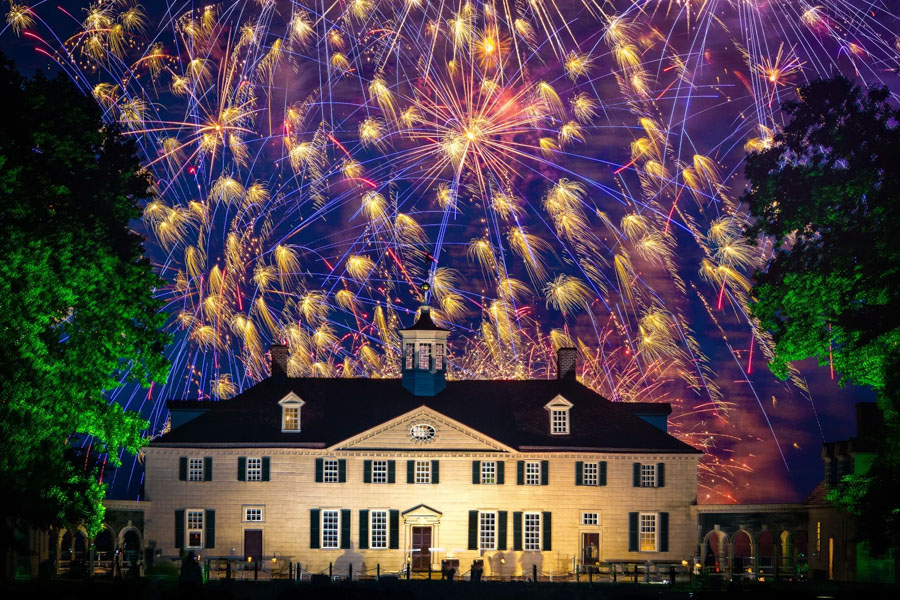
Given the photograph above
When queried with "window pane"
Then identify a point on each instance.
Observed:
(330, 471)
(253, 514)
(488, 472)
(329, 529)
(378, 529)
(423, 471)
(291, 419)
(560, 421)
(424, 356)
(379, 471)
(438, 356)
(590, 518)
(195, 469)
(532, 531)
(254, 469)
(648, 532)
(487, 522)
(532, 473)
(648, 475)
(410, 351)
(194, 528)
(590, 474)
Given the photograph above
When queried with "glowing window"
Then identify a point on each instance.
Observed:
(647, 532)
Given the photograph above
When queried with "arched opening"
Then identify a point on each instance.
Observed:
(786, 555)
(766, 551)
(743, 553)
(715, 555)
(131, 546)
(104, 549)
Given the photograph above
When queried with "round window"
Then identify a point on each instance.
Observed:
(422, 432)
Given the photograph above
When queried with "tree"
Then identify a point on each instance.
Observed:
(78, 316)
(827, 192)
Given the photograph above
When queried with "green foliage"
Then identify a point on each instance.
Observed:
(828, 193)
(77, 312)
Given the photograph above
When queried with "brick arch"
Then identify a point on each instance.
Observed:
(743, 548)
(716, 550)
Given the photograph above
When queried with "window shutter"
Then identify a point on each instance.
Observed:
(476, 471)
(663, 532)
(517, 531)
(473, 530)
(636, 475)
(320, 465)
(546, 521)
(435, 471)
(314, 525)
(209, 524)
(392, 471)
(367, 471)
(266, 468)
(345, 528)
(520, 472)
(579, 472)
(632, 532)
(661, 475)
(501, 476)
(179, 529)
(395, 530)
(363, 530)
(342, 471)
(182, 468)
(410, 471)
(545, 472)
(501, 530)
(207, 468)
(242, 468)
(602, 472)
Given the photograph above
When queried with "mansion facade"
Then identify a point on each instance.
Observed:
(404, 473)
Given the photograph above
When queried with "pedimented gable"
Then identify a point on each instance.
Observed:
(422, 429)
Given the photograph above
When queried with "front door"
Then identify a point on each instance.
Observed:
(252, 545)
(590, 549)
(421, 542)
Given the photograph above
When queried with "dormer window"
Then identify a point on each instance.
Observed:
(558, 410)
(290, 413)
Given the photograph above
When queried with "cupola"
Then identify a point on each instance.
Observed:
(424, 347)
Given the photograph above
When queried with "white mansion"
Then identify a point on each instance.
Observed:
(407, 472)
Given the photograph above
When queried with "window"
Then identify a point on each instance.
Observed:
(194, 527)
(330, 471)
(378, 529)
(423, 471)
(818, 537)
(195, 469)
(253, 514)
(647, 532)
(438, 356)
(559, 421)
(291, 420)
(379, 471)
(590, 518)
(330, 527)
(488, 472)
(410, 356)
(424, 356)
(254, 469)
(648, 475)
(487, 530)
(532, 532)
(591, 474)
(532, 473)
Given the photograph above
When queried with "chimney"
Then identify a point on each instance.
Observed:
(566, 364)
(279, 354)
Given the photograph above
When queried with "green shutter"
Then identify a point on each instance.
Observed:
(661, 475)
(363, 530)
(207, 468)
(410, 471)
(579, 472)
(314, 525)
(179, 529)
(476, 471)
(209, 523)
(545, 472)
(663, 532)
(501, 530)
(473, 530)
(547, 522)
(517, 531)
(602, 472)
(636, 475)
(266, 468)
(342, 471)
(242, 468)
(520, 472)
(392, 471)
(320, 466)
(395, 530)
(182, 468)
(435, 471)
(367, 471)
(345, 528)
(632, 532)
(501, 475)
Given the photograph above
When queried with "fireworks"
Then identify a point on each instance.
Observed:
(541, 174)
